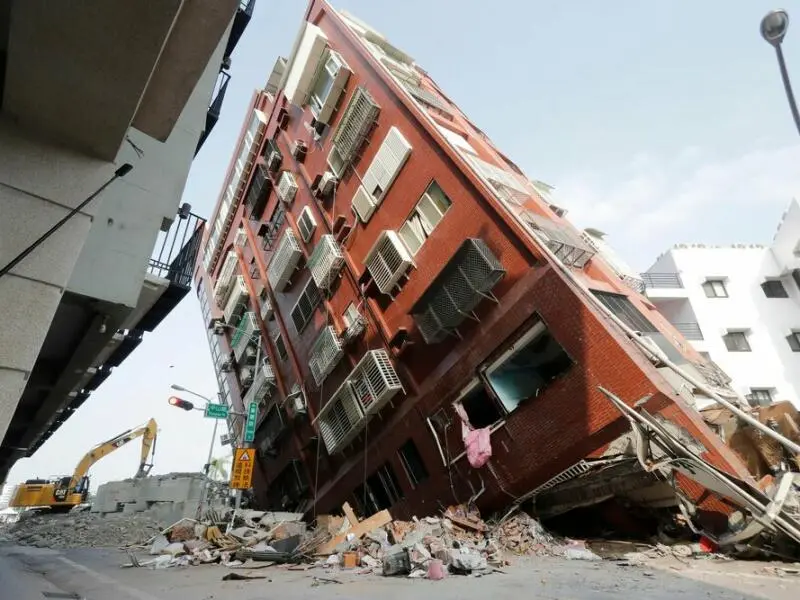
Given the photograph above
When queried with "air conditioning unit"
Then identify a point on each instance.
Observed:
(287, 187)
(326, 184)
(284, 261)
(226, 366)
(387, 261)
(363, 204)
(273, 161)
(219, 328)
(299, 150)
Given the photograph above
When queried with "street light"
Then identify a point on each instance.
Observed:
(774, 26)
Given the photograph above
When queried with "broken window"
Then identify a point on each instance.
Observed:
(381, 491)
(412, 463)
(480, 407)
(527, 367)
(625, 311)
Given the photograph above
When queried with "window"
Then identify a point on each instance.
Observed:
(715, 288)
(350, 316)
(273, 226)
(481, 409)
(412, 463)
(794, 341)
(759, 397)
(736, 341)
(625, 311)
(304, 308)
(381, 491)
(773, 288)
(425, 217)
(324, 83)
(280, 346)
(526, 368)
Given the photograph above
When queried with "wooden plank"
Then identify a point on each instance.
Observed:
(351, 516)
(379, 519)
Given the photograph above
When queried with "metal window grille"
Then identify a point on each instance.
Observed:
(305, 306)
(565, 243)
(625, 311)
(225, 278)
(356, 121)
(237, 300)
(325, 354)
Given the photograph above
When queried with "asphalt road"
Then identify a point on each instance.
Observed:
(95, 574)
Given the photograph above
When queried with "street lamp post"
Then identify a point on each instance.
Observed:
(207, 467)
(773, 29)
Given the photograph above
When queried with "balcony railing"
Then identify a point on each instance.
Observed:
(691, 331)
(262, 385)
(215, 108)
(662, 280)
(177, 248)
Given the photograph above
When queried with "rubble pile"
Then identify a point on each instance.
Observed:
(82, 529)
(458, 542)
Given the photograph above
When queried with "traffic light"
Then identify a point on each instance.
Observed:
(181, 403)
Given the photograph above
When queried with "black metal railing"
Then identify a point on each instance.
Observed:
(178, 247)
(243, 15)
(691, 331)
(662, 280)
(214, 108)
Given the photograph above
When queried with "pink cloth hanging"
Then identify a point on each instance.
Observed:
(478, 442)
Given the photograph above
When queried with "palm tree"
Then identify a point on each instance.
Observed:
(218, 468)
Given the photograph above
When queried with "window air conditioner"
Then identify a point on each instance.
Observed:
(326, 184)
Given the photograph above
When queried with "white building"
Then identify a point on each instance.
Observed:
(740, 305)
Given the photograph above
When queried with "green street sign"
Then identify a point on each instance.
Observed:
(250, 426)
(216, 411)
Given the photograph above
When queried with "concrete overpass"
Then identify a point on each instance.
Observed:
(86, 87)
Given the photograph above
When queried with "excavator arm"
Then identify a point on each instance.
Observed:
(147, 432)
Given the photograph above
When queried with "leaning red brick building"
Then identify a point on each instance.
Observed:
(381, 278)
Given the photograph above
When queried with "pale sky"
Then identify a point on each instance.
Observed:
(657, 123)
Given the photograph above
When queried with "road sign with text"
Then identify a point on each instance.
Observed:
(242, 471)
(250, 426)
(216, 411)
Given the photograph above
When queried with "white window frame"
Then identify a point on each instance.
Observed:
(348, 318)
(407, 231)
(315, 102)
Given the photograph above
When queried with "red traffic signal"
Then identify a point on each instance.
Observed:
(181, 403)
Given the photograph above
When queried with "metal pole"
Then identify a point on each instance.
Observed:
(204, 492)
(787, 85)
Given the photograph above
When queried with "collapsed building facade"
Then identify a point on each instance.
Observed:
(387, 284)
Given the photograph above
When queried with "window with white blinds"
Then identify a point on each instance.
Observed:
(383, 169)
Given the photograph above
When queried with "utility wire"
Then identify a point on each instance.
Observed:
(120, 172)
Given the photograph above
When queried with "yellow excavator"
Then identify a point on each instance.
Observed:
(64, 493)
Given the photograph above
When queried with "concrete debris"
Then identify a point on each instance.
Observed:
(69, 530)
